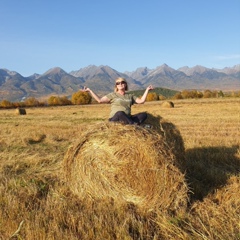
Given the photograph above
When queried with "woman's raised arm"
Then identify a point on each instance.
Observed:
(95, 96)
(144, 96)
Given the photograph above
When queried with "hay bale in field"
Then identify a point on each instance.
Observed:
(174, 140)
(20, 111)
(128, 164)
(167, 104)
(172, 137)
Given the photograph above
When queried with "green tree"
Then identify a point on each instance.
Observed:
(220, 93)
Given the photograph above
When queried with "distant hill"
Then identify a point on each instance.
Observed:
(101, 79)
(160, 91)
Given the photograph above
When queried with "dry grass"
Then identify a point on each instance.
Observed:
(35, 203)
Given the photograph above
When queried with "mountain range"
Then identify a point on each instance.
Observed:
(101, 79)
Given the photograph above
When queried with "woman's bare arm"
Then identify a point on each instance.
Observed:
(95, 96)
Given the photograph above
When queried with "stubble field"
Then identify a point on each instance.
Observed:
(35, 203)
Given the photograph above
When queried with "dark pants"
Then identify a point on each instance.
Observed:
(124, 118)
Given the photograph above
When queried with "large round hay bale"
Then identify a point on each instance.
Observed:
(125, 163)
(20, 111)
(174, 140)
(167, 104)
(172, 137)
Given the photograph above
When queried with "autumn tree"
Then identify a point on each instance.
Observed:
(161, 97)
(237, 94)
(6, 104)
(152, 97)
(185, 94)
(18, 104)
(58, 101)
(31, 102)
(194, 94)
(214, 94)
(207, 94)
(64, 101)
(79, 98)
(53, 101)
(189, 94)
(178, 96)
(199, 94)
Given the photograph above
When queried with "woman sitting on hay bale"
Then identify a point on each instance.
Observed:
(121, 103)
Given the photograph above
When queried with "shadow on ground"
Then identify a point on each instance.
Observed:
(206, 169)
(209, 168)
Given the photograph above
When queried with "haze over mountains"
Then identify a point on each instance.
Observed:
(55, 81)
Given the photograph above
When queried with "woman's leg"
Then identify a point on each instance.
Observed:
(139, 117)
(121, 117)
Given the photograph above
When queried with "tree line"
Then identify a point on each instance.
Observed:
(81, 98)
(77, 98)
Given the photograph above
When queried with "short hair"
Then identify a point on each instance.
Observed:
(120, 79)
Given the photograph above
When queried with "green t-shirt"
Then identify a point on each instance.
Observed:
(121, 102)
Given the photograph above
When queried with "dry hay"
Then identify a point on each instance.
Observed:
(128, 164)
(20, 111)
(172, 136)
(167, 104)
(219, 208)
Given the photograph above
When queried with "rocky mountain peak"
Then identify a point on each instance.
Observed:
(101, 79)
(55, 70)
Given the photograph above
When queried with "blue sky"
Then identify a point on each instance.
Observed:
(36, 35)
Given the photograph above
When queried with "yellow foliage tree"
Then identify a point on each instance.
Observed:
(65, 101)
(56, 101)
(79, 98)
(6, 104)
(152, 97)
(191, 94)
(31, 101)
(207, 94)
(186, 94)
(178, 96)
(161, 97)
(53, 101)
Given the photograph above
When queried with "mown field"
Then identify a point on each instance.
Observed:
(36, 203)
